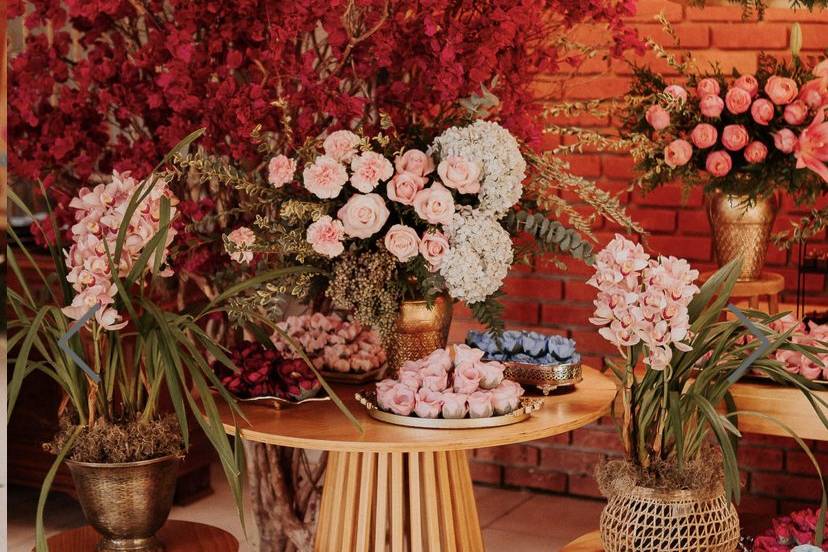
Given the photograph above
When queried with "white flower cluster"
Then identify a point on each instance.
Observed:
(478, 258)
(497, 152)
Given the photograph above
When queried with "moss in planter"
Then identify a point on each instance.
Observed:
(128, 441)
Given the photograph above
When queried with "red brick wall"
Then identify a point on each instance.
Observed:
(777, 477)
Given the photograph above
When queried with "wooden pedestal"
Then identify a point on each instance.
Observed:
(414, 501)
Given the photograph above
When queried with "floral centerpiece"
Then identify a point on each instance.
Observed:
(743, 138)
(654, 313)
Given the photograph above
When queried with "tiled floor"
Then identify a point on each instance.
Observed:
(511, 520)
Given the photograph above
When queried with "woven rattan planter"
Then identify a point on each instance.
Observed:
(646, 520)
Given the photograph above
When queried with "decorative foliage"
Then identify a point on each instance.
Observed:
(551, 236)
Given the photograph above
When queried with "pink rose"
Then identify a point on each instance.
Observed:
(748, 83)
(384, 388)
(325, 236)
(762, 111)
(404, 186)
(462, 175)
(711, 106)
(410, 379)
(363, 215)
(463, 354)
(785, 140)
(781, 90)
(429, 403)
(415, 162)
(412, 366)
(280, 170)
(676, 91)
(718, 163)
(755, 152)
(433, 247)
(325, 177)
(677, 153)
(455, 405)
(341, 145)
(506, 396)
(735, 137)
(480, 404)
(704, 135)
(466, 378)
(737, 100)
(491, 374)
(708, 87)
(796, 112)
(658, 117)
(402, 242)
(368, 169)
(438, 358)
(242, 237)
(815, 93)
(435, 205)
(399, 399)
(821, 69)
(434, 377)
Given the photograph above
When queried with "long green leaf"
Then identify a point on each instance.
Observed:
(20, 365)
(40, 533)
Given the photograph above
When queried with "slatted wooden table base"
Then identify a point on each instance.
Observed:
(419, 501)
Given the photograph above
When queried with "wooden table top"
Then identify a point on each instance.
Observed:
(767, 283)
(176, 536)
(591, 542)
(785, 404)
(320, 425)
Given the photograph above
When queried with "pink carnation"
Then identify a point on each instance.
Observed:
(326, 235)
(341, 145)
(280, 170)
(368, 170)
(325, 177)
(242, 237)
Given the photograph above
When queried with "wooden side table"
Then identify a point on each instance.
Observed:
(406, 488)
(176, 536)
(769, 284)
(591, 542)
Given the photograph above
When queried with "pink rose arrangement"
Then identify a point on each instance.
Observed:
(744, 135)
(450, 383)
(643, 300)
(99, 215)
(331, 343)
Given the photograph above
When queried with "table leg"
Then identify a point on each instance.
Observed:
(398, 501)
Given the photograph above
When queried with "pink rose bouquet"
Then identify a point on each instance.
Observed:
(450, 383)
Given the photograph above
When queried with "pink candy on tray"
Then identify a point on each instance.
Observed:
(812, 334)
(450, 383)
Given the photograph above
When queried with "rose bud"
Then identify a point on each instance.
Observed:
(796, 112)
(480, 404)
(491, 374)
(429, 403)
(454, 405)
(762, 111)
(506, 396)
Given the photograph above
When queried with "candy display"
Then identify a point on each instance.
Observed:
(525, 347)
(452, 383)
(810, 334)
(331, 343)
(267, 373)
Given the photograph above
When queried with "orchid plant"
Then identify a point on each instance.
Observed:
(652, 311)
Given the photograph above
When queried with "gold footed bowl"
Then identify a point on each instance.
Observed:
(741, 229)
(419, 331)
(649, 520)
(126, 503)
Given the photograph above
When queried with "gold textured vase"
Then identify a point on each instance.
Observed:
(741, 228)
(126, 503)
(419, 331)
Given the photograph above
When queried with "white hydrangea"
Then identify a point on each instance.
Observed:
(497, 152)
(479, 256)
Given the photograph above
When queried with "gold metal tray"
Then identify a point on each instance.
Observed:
(546, 377)
(528, 405)
(279, 403)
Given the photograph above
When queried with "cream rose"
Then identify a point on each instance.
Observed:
(433, 246)
(341, 145)
(363, 215)
(434, 205)
(415, 162)
(404, 186)
(325, 236)
(462, 175)
(325, 177)
(402, 242)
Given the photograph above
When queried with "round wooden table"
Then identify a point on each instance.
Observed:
(176, 536)
(409, 488)
(591, 542)
(769, 284)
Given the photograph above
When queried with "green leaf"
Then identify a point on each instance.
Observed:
(21, 369)
(40, 533)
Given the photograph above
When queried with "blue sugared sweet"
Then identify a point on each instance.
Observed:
(526, 347)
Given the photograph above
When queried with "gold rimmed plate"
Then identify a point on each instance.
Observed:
(527, 405)
(353, 377)
(546, 377)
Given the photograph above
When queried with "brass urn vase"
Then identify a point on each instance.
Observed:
(741, 227)
(127, 503)
(419, 330)
(650, 520)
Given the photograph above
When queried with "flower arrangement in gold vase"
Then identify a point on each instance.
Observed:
(678, 423)
(745, 139)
